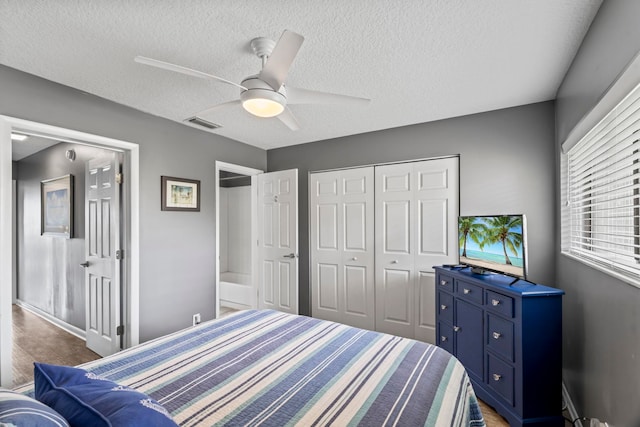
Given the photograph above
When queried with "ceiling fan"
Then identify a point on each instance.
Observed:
(264, 94)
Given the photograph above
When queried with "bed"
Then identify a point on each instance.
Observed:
(263, 367)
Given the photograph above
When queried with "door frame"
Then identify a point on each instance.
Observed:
(131, 228)
(243, 170)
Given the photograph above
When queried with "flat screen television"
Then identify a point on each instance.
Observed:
(493, 243)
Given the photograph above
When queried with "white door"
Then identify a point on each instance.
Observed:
(394, 242)
(278, 240)
(416, 221)
(342, 246)
(102, 268)
(436, 220)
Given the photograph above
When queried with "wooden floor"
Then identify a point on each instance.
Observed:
(491, 417)
(36, 340)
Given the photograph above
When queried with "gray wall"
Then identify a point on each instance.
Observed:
(49, 273)
(177, 249)
(601, 314)
(506, 166)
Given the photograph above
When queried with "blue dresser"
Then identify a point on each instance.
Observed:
(508, 335)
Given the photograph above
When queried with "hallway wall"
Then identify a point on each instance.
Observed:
(49, 274)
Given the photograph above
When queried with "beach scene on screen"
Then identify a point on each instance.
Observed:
(493, 242)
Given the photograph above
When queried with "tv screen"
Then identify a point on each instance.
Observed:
(493, 243)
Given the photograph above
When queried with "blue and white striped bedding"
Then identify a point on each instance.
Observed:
(275, 369)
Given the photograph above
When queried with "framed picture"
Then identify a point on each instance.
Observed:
(179, 194)
(56, 197)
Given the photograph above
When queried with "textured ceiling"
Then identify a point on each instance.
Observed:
(418, 60)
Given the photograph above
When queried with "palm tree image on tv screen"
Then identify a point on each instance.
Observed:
(493, 242)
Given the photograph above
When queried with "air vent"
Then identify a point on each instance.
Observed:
(202, 122)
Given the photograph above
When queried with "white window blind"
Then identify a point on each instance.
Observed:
(601, 175)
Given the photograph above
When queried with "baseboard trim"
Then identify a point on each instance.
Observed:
(73, 330)
(570, 408)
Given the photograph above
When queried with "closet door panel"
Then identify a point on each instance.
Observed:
(397, 292)
(416, 228)
(342, 246)
(395, 243)
(396, 227)
(325, 247)
(437, 210)
(355, 290)
(355, 224)
(436, 221)
(327, 275)
(432, 223)
(327, 223)
(425, 307)
(358, 250)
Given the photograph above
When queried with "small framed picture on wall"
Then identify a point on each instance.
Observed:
(56, 218)
(180, 194)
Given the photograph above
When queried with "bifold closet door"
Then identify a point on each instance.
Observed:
(416, 212)
(342, 246)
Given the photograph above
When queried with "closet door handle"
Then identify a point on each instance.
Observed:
(355, 258)
(84, 264)
(395, 261)
(291, 255)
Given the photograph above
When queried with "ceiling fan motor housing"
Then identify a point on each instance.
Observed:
(262, 100)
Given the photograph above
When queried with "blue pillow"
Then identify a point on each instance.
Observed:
(20, 410)
(85, 399)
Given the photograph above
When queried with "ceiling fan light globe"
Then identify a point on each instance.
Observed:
(262, 107)
(263, 102)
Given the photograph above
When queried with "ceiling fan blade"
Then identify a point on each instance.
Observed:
(289, 119)
(183, 70)
(275, 70)
(306, 96)
(217, 108)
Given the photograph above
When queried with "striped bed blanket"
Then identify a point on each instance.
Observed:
(262, 367)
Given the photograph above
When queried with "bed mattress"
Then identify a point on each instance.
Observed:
(261, 367)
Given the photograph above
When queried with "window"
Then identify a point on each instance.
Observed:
(601, 191)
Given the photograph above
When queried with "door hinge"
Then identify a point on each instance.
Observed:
(120, 254)
(118, 178)
(120, 330)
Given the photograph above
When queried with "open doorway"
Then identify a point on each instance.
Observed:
(236, 234)
(9, 126)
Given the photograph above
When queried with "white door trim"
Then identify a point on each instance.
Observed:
(131, 173)
(243, 170)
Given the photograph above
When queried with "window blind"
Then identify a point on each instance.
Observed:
(601, 172)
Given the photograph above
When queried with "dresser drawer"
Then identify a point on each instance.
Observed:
(500, 336)
(500, 378)
(469, 291)
(445, 282)
(445, 337)
(445, 306)
(499, 303)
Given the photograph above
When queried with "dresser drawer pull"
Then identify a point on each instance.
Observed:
(495, 302)
(443, 338)
(496, 377)
(466, 291)
(456, 328)
(443, 307)
(497, 335)
(443, 282)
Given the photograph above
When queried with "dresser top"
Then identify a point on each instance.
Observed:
(503, 282)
